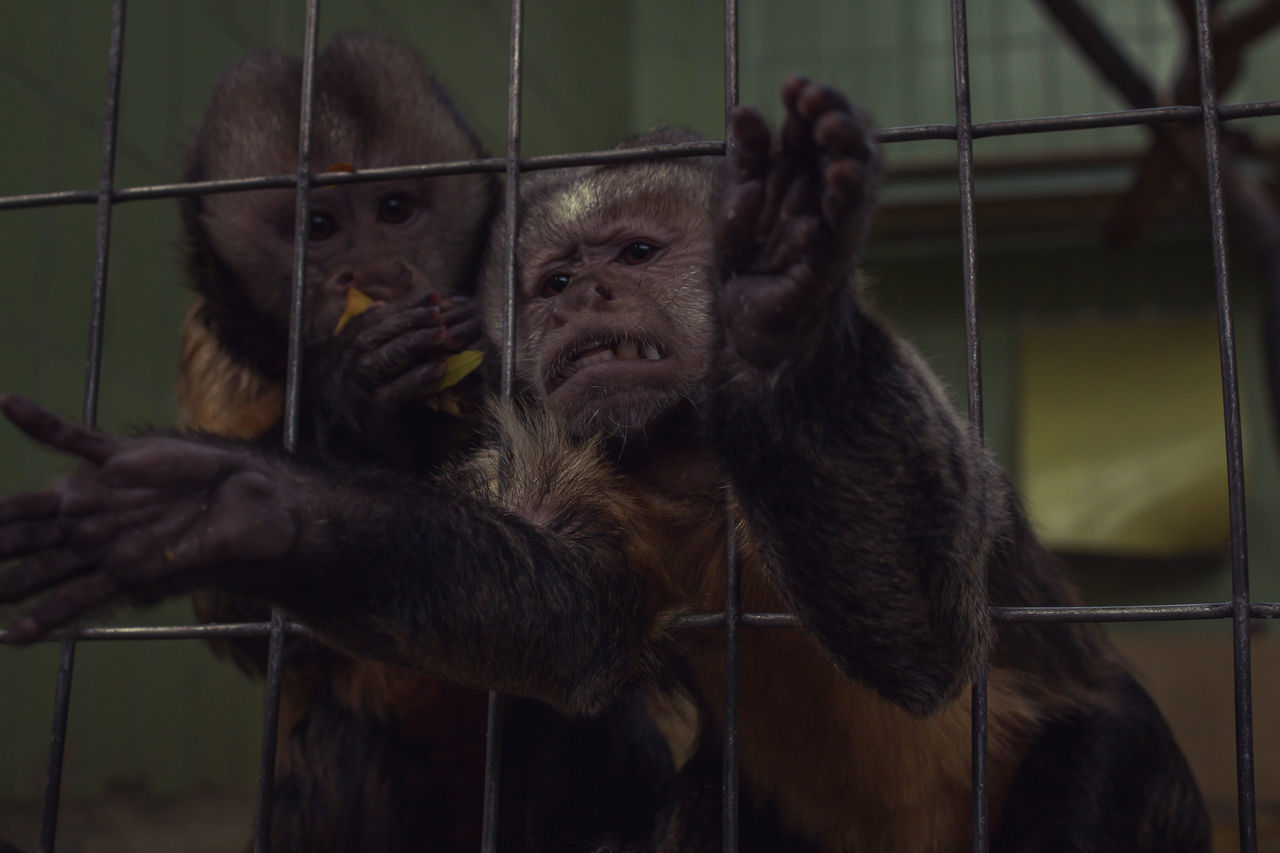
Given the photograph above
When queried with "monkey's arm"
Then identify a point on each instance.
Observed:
(874, 507)
(436, 579)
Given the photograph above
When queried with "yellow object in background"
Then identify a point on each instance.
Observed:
(1120, 437)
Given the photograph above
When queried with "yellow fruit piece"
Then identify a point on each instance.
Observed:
(456, 368)
(358, 302)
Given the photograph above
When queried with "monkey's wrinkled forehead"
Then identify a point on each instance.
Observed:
(571, 205)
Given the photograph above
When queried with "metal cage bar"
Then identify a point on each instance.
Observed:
(973, 370)
(1240, 609)
(293, 377)
(733, 577)
(1234, 442)
(511, 210)
(93, 377)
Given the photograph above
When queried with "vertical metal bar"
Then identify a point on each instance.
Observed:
(973, 364)
(102, 244)
(293, 374)
(511, 203)
(93, 376)
(57, 745)
(733, 579)
(1235, 449)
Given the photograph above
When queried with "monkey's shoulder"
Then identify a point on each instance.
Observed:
(216, 393)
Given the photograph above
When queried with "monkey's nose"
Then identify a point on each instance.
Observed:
(387, 281)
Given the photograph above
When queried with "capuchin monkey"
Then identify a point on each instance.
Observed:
(694, 350)
(372, 757)
(412, 245)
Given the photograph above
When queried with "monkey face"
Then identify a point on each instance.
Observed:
(615, 308)
(376, 105)
(391, 240)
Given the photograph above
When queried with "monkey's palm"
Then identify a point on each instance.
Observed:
(793, 216)
(144, 517)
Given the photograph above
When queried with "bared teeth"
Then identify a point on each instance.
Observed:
(628, 350)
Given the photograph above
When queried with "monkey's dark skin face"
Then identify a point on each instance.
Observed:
(617, 320)
(380, 238)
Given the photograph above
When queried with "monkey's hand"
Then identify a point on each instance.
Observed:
(792, 221)
(372, 384)
(142, 518)
(389, 357)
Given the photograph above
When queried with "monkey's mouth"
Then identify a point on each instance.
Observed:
(589, 353)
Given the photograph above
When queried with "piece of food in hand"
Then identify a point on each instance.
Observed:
(456, 368)
(358, 302)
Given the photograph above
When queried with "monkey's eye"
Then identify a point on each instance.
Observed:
(322, 225)
(638, 253)
(395, 208)
(555, 283)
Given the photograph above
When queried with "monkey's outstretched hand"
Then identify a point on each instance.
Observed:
(794, 215)
(143, 517)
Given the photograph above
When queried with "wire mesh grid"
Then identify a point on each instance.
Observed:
(1144, 112)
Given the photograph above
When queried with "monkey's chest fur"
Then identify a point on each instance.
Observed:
(841, 766)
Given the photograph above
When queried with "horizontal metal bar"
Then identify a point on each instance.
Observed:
(1104, 613)
(1114, 613)
(382, 173)
(1085, 121)
(227, 630)
(14, 202)
(910, 133)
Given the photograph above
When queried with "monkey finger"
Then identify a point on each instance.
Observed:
(752, 143)
(844, 192)
(801, 197)
(391, 325)
(96, 496)
(795, 138)
(429, 299)
(151, 469)
(39, 573)
(47, 428)
(796, 242)
(22, 538)
(815, 99)
(403, 353)
(792, 86)
(30, 506)
(841, 133)
(459, 314)
(464, 335)
(411, 387)
(735, 227)
(63, 605)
